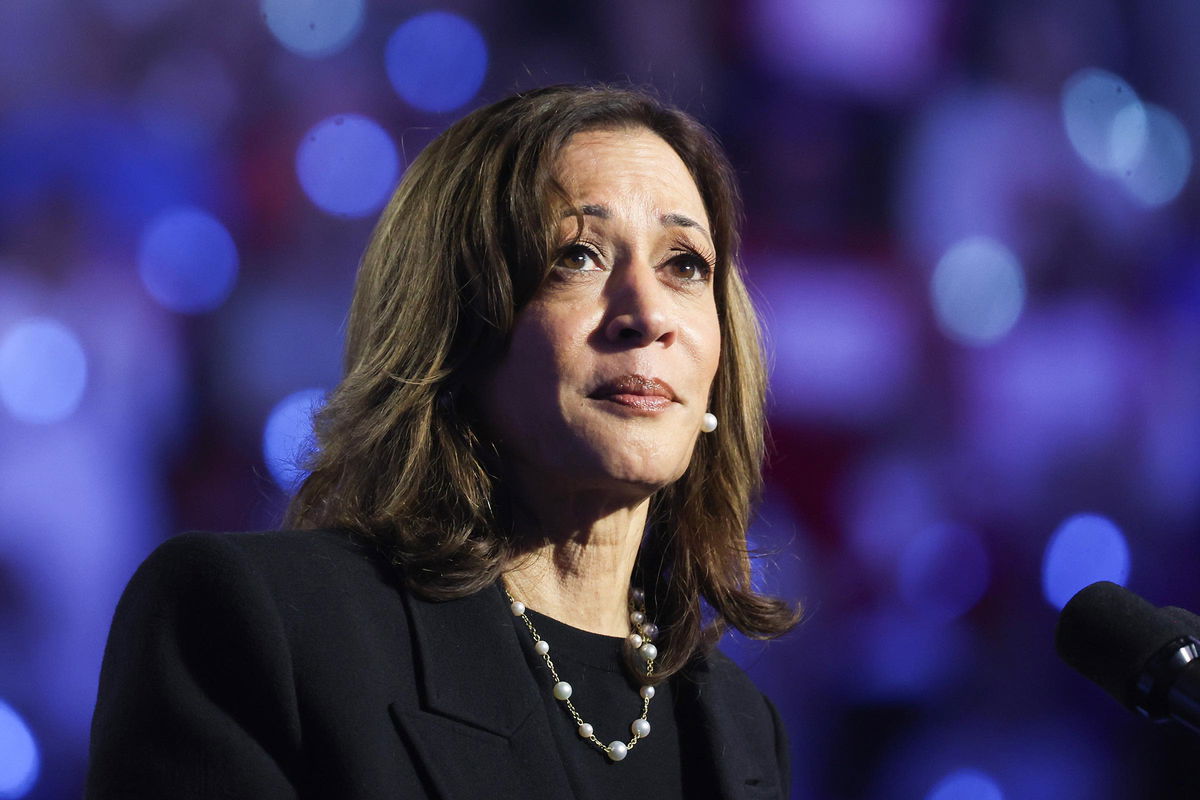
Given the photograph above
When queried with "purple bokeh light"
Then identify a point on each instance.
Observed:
(841, 342)
(879, 49)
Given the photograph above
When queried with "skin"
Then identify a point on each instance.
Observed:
(633, 296)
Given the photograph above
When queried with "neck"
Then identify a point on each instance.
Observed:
(579, 561)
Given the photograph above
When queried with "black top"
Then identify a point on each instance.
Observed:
(294, 664)
(606, 696)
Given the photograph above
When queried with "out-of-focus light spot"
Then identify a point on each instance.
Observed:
(842, 342)
(43, 371)
(19, 759)
(288, 439)
(347, 165)
(966, 784)
(188, 261)
(313, 28)
(878, 48)
(1105, 120)
(1127, 142)
(943, 572)
(436, 61)
(1086, 548)
(1058, 387)
(978, 291)
(1165, 162)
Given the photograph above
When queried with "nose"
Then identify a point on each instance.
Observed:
(639, 308)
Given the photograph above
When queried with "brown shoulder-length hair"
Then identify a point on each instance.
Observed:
(462, 246)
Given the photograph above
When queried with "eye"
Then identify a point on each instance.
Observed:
(691, 267)
(578, 258)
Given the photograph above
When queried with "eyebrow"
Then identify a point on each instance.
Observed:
(672, 220)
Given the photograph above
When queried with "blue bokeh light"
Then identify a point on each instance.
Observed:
(966, 784)
(288, 438)
(978, 291)
(43, 371)
(1086, 548)
(1104, 119)
(1165, 162)
(19, 758)
(943, 572)
(436, 61)
(187, 260)
(313, 28)
(347, 165)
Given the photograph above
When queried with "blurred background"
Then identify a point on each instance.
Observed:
(970, 230)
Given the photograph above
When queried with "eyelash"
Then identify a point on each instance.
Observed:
(686, 255)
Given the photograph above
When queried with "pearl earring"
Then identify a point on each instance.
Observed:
(709, 423)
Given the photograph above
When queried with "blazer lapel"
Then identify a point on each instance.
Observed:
(743, 761)
(475, 719)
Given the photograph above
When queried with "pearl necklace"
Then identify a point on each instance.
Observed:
(640, 638)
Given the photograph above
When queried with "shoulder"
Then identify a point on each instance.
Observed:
(303, 579)
(719, 672)
(739, 712)
(731, 692)
(322, 548)
(277, 558)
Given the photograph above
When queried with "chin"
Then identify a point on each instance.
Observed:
(642, 476)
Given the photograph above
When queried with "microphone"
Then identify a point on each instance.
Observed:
(1148, 658)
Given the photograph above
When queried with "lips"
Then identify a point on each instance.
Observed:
(636, 393)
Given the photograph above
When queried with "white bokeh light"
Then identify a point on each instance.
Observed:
(1104, 119)
(978, 291)
(313, 28)
(1165, 162)
(43, 371)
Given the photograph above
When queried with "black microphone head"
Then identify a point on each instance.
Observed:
(1183, 617)
(1109, 634)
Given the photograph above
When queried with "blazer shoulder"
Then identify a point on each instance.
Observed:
(315, 580)
(289, 556)
(733, 679)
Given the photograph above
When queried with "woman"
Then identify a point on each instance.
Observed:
(524, 526)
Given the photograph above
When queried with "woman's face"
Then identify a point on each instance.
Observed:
(610, 365)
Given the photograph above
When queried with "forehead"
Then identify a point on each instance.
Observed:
(630, 168)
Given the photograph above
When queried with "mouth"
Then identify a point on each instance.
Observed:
(636, 393)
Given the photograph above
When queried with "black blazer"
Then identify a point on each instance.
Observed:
(293, 664)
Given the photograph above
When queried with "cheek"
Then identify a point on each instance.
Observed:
(535, 371)
(707, 335)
